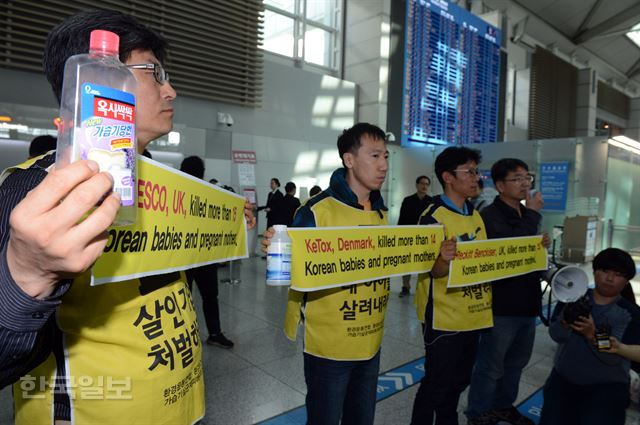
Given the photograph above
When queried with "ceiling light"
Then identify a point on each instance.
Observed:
(625, 143)
(634, 34)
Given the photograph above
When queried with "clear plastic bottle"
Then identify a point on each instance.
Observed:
(97, 111)
(279, 258)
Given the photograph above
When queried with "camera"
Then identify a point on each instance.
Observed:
(225, 118)
(579, 308)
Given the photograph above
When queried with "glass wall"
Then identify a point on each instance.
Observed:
(622, 201)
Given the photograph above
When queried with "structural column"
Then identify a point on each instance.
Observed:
(633, 128)
(586, 102)
(367, 56)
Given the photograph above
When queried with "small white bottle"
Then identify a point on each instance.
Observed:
(97, 109)
(279, 258)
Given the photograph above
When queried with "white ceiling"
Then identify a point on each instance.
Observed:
(583, 28)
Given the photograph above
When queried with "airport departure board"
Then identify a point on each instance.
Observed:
(451, 76)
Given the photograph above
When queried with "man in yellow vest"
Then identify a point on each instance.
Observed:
(121, 352)
(343, 326)
(452, 317)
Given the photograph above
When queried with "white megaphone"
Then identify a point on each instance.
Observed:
(568, 283)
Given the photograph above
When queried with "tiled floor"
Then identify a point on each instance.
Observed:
(262, 375)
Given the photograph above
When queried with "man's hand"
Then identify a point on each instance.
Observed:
(266, 238)
(546, 240)
(48, 242)
(248, 214)
(448, 249)
(534, 202)
(616, 346)
(628, 351)
(586, 327)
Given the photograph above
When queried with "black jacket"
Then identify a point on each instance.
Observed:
(412, 207)
(274, 203)
(288, 208)
(519, 295)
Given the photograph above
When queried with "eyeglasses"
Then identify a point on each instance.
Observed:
(521, 179)
(159, 73)
(471, 172)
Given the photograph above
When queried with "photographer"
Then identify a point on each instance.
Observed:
(588, 386)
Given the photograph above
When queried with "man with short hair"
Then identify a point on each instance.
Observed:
(412, 207)
(315, 190)
(588, 386)
(206, 277)
(341, 367)
(130, 342)
(274, 203)
(41, 145)
(289, 204)
(506, 348)
(452, 317)
(484, 197)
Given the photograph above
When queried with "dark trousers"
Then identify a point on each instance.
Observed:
(566, 403)
(503, 352)
(341, 390)
(206, 278)
(449, 359)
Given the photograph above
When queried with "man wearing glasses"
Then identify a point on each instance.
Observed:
(452, 317)
(506, 348)
(114, 340)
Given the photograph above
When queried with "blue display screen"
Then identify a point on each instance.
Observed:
(451, 76)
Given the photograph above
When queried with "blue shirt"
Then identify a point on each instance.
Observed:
(449, 203)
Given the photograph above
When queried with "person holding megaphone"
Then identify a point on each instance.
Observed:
(589, 384)
(505, 349)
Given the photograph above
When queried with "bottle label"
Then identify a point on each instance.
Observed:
(108, 136)
(279, 266)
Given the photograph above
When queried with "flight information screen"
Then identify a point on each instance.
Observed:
(451, 75)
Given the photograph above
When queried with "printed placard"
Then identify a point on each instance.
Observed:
(327, 257)
(494, 259)
(182, 222)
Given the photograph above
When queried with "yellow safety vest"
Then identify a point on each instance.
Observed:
(459, 309)
(341, 323)
(132, 354)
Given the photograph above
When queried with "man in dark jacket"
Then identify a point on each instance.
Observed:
(289, 204)
(341, 368)
(274, 201)
(412, 207)
(206, 277)
(506, 348)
